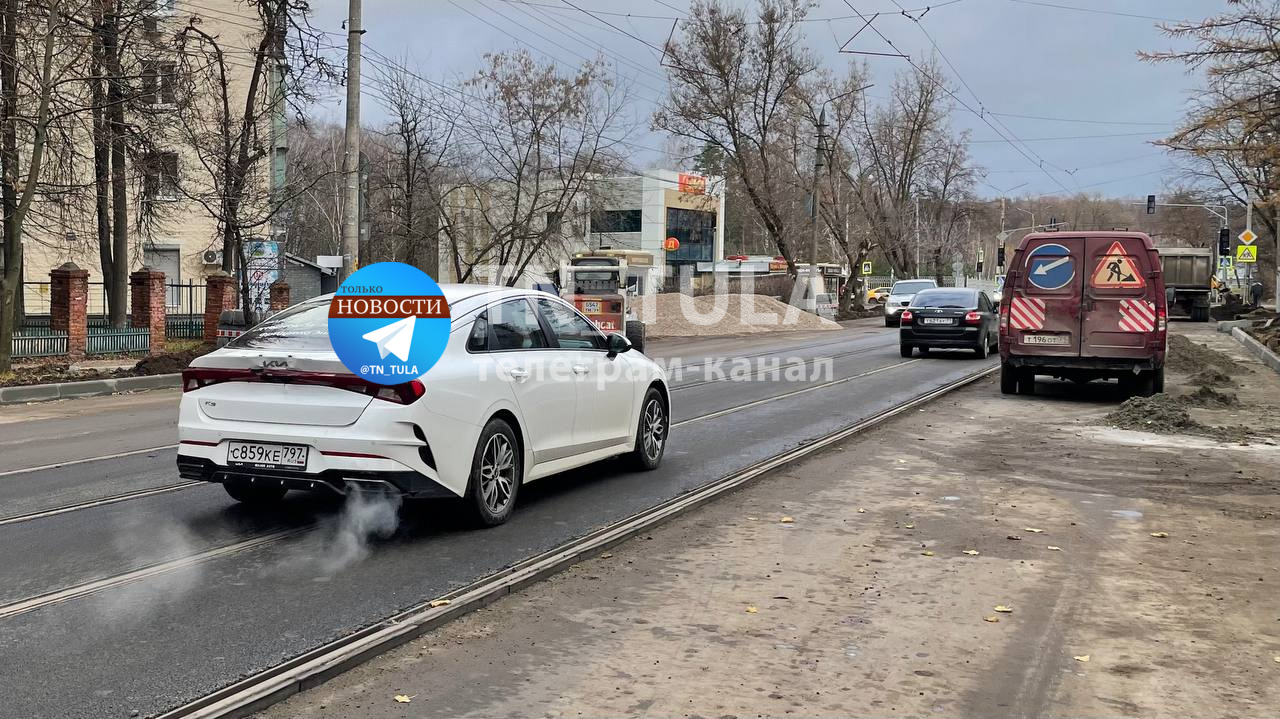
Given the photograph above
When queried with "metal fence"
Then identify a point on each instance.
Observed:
(39, 343)
(110, 340)
(184, 327)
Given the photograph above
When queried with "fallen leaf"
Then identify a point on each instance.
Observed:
(752, 610)
(1160, 535)
(909, 526)
(971, 552)
(1014, 537)
(440, 602)
(1033, 530)
(606, 555)
(404, 698)
(927, 553)
(861, 510)
(1053, 548)
(993, 619)
(786, 520)
(1277, 659)
(1003, 609)
(1081, 658)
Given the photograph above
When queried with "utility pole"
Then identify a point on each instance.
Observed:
(917, 269)
(814, 277)
(351, 146)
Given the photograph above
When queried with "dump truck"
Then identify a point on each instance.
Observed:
(1188, 276)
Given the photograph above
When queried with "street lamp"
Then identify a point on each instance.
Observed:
(1033, 217)
(815, 276)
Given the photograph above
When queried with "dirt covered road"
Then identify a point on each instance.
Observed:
(1139, 569)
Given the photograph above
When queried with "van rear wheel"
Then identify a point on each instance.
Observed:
(1008, 379)
(1026, 381)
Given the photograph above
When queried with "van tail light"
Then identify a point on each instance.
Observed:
(1004, 317)
(973, 318)
(906, 316)
(194, 378)
(1162, 320)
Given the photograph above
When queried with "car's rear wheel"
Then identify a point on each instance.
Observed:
(496, 473)
(905, 349)
(254, 494)
(888, 322)
(651, 432)
(1008, 379)
(1026, 381)
(983, 348)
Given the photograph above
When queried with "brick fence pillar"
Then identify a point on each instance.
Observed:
(279, 295)
(69, 306)
(219, 296)
(146, 295)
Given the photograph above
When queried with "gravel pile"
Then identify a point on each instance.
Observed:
(1210, 398)
(676, 315)
(1159, 413)
(1191, 357)
(1210, 378)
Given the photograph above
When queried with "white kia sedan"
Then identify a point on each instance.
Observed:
(527, 387)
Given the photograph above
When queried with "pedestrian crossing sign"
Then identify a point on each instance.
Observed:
(1246, 253)
(1116, 270)
(866, 268)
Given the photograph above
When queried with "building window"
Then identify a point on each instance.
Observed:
(615, 221)
(696, 231)
(157, 82)
(160, 176)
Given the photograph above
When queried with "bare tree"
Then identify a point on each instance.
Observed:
(735, 85)
(528, 141)
(1231, 135)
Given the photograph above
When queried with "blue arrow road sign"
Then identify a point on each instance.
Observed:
(1050, 267)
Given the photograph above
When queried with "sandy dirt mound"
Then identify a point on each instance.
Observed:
(1209, 397)
(1191, 357)
(676, 315)
(1164, 414)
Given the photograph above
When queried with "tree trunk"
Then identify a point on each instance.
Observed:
(101, 155)
(10, 286)
(117, 282)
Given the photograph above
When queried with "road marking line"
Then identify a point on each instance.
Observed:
(113, 499)
(81, 590)
(72, 462)
(775, 398)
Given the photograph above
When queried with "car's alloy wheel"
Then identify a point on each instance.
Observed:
(651, 432)
(653, 429)
(497, 473)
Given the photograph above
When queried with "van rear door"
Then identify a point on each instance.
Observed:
(1119, 309)
(1044, 307)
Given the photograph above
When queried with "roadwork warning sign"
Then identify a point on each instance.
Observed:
(1117, 270)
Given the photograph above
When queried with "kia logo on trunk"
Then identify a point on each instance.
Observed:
(275, 364)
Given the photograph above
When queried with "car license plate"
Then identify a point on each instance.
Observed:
(266, 456)
(591, 307)
(1046, 339)
(936, 320)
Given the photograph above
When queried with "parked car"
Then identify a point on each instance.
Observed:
(900, 297)
(877, 295)
(950, 318)
(526, 387)
(1082, 307)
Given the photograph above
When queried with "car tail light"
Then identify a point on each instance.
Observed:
(973, 318)
(403, 393)
(1004, 317)
(197, 377)
(906, 316)
(1162, 320)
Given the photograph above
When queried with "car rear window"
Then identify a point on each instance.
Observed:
(946, 298)
(303, 327)
(910, 288)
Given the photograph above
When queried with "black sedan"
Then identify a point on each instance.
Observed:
(950, 317)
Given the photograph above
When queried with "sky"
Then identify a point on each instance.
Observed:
(1051, 91)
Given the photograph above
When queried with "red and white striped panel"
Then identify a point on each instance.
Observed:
(1026, 313)
(1137, 316)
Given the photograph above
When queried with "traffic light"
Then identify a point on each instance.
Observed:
(979, 266)
(1000, 256)
(1151, 204)
(1224, 241)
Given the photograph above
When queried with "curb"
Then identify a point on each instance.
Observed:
(1256, 348)
(88, 388)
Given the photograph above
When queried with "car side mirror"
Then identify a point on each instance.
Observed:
(618, 344)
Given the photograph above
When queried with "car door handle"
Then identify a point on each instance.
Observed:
(520, 375)
(581, 369)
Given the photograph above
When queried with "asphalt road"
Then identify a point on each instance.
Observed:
(146, 603)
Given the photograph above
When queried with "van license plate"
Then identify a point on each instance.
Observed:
(591, 307)
(1046, 340)
(266, 456)
(936, 320)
